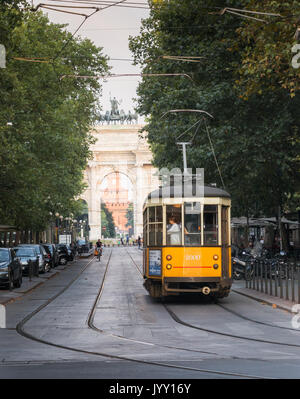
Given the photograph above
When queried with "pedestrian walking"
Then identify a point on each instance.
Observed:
(139, 242)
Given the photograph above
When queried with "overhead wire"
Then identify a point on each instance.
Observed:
(103, 3)
(213, 151)
(124, 75)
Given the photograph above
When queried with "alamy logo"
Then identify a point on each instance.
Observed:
(2, 56)
(296, 58)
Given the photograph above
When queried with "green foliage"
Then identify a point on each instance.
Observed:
(44, 152)
(255, 141)
(107, 222)
(129, 216)
(267, 49)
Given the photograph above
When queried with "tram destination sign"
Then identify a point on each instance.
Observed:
(154, 262)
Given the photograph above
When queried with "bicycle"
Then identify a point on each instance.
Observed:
(99, 250)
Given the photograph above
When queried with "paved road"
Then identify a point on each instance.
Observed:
(130, 335)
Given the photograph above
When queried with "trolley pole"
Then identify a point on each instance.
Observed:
(185, 171)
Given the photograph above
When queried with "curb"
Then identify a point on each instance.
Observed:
(265, 301)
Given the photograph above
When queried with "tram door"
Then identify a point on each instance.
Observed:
(225, 241)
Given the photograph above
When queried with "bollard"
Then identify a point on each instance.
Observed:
(271, 280)
(30, 269)
(2, 316)
(286, 283)
(9, 278)
(280, 281)
(253, 277)
(261, 276)
(293, 282)
(298, 277)
(275, 281)
(266, 277)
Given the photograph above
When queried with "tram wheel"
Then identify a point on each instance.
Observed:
(221, 294)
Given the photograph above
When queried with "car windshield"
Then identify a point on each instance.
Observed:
(4, 257)
(24, 251)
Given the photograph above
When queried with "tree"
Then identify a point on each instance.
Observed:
(107, 222)
(254, 140)
(129, 215)
(45, 148)
(267, 56)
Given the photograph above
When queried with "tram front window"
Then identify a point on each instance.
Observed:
(210, 227)
(173, 225)
(192, 224)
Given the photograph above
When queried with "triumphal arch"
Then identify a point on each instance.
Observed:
(119, 150)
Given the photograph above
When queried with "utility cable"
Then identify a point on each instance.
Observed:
(213, 151)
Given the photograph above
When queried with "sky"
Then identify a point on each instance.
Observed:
(109, 29)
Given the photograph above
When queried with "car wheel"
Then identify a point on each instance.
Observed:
(10, 284)
(63, 261)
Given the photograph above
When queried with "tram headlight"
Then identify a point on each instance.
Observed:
(169, 267)
(216, 266)
(169, 257)
(216, 257)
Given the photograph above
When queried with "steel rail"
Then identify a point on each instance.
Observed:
(21, 331)
(92, 326)
(252, 320)
(178, 320)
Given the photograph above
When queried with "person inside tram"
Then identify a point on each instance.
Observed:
(174, 231)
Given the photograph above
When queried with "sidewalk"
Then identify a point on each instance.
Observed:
(274, 301)
(7, 296)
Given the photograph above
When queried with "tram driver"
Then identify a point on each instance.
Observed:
(174, 231)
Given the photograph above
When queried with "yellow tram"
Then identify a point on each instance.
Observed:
(187, 243)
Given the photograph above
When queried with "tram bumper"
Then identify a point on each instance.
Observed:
(205, 285)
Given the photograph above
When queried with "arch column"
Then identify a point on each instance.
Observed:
(94, 207)
(139, 200)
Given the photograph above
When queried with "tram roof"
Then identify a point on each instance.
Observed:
(209, 192)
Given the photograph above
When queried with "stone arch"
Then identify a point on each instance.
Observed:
(118, 204)
(118, 149)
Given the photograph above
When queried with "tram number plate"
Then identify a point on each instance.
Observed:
(154, 262)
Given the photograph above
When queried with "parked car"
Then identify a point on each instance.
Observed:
(28, 256)
(83, 246)
(42, 254)
(10, 269)
(64, 253)
(52, 254)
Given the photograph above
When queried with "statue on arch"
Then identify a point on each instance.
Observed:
(114, 106)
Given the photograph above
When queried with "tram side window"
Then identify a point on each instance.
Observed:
(155, 226)
(210, 228)
(174, 225)
(192, 224)
(145, 236)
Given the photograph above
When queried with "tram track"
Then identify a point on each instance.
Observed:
(21, 330)
(177, 319)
